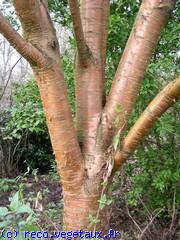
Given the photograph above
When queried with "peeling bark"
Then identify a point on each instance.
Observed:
(83, 50)
(165, 99)
(90, 81)
(83, 161)
(150, 21)
(39, 31)
(27, 50)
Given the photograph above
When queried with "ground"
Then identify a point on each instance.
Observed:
(45, 196)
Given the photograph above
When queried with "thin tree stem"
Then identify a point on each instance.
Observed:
(83, 50)
(26, 49)
(150, 21)
(165, 99)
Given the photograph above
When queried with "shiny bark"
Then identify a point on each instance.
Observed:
(150, 21)
(27, 50)
(39, 31)
(165, 99)
(83, 50)
(89, 81)
(83, 161)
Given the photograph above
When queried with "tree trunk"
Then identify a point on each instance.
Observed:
(78, 207)
(82, 209)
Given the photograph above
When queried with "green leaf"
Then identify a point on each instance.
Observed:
(115, 141)
(25, 208)
(3, 211)
(15, 203)
(104, 201)
(31, 228)
(3, 224)
(93, 220)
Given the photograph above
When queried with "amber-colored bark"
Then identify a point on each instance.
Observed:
(149, 23)
(83, 50)
(156, 108)
(94, 16)
(104, 34)
(90, 80)
(78, 189)
(27, 50)
(84, 168)
(39, 31)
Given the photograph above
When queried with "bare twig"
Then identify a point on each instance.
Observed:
(134, 221)
(150, 222)
(9, 77)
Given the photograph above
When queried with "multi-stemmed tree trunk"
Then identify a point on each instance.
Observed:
(86, 155)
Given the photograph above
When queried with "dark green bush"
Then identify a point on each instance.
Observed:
(26, 125)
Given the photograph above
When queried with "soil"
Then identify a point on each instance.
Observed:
(45, 195)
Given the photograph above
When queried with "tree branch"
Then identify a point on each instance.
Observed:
(105, 24)
(148, 26)
(38, 29)
(90, 83)
(27, 50)
(83, 50)
(165, 99)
